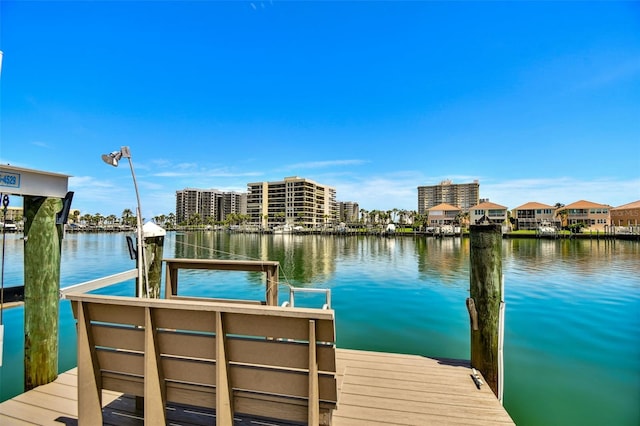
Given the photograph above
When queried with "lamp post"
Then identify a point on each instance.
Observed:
(113, 159)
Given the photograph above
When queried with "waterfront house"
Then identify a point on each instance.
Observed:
(626, 214)
(532, 215)
(495, 212)
(594, 216)
(443, 214)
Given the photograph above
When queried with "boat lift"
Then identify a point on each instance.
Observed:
(46, 203)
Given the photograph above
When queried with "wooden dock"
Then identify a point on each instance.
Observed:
(374, 389)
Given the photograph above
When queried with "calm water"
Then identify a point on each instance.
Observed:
(572, 342)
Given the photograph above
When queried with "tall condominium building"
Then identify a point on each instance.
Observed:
(349, 211)
(294, 200)
(461, 195)
(233, 202)
(210, 204)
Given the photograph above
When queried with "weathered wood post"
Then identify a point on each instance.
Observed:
(46, 204)
(42, 250)
(484, 301)
(154, 244)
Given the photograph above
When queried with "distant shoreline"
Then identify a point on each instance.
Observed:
(377, 233)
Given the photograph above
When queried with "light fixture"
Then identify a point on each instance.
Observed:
(112, 159)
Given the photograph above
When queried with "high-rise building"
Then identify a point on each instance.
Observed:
(232, 202)
(209, 204)
(294, 200)
(462, 195)
(349, 211)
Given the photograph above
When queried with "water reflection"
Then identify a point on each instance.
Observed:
(572, 306)
(307, 260)
(303, 259)
(586, 258)
(446, 259)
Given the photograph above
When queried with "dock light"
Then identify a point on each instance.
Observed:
(112, 159)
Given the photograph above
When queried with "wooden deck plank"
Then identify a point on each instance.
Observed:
(374, 389)
(13, 410)
(63, 402)
(380, 388)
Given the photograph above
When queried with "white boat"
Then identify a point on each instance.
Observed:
(8, 227)
(283, 229)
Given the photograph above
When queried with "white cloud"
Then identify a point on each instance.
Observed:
(563, 190)
(400, 190)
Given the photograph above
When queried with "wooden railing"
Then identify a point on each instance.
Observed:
(270, 268)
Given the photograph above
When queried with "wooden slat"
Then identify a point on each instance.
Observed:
(116, 314)
(89, 381)
(226, 265)
(200, 396)
(280, 353)
(262, 324)
(120, 361)
(278, 408)
(107, 302)
(189, 371)
(183, 344)
(314, 392)
(180, 319)
(129, 385)
(208, 299)
(281, 382)
(154, 389)
(127, 338)
(224, 390)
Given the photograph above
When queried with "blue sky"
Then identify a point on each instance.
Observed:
(539, 101)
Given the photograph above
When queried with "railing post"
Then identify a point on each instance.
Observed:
(272, 286)
(484, 301)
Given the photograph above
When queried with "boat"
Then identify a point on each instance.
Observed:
(8, 227)
(283, 229)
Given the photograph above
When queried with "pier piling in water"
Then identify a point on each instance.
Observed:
(153, 243)
(484, 301)
(42, 250)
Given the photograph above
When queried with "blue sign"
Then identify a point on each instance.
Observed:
(10, 180)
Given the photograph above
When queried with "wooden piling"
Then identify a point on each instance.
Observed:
(484, 301)
(154, 251)
(153, 241)
(42, 250)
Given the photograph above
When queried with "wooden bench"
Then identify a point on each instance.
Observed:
(264, 361)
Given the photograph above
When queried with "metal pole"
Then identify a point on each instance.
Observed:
(142, 263)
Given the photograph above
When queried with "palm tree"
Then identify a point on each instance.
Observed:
(402, 217)
(127, 214)
(563, 214)
(74, 216)
(412, 216)
(363, 215)
(111, 219)
(194, 219)
(86, 219)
